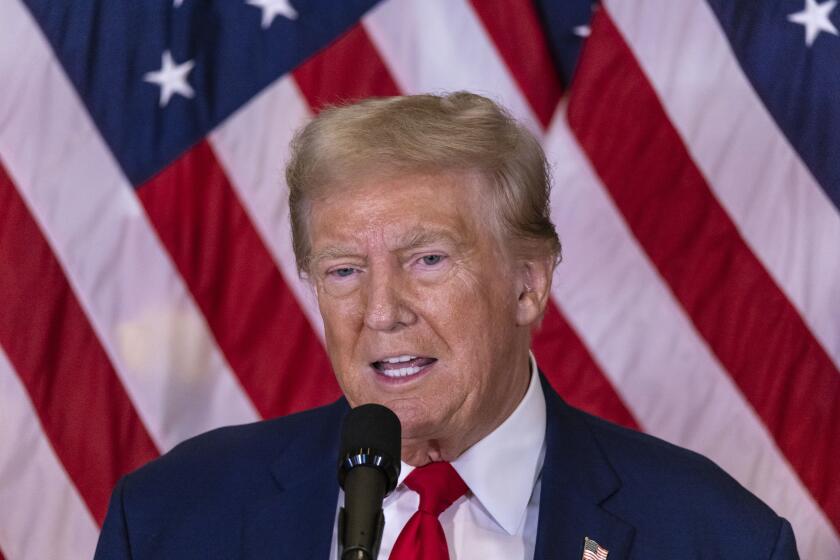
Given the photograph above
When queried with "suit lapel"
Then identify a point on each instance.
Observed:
(296, 516)
(577, 480)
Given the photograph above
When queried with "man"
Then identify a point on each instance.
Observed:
(422, 224)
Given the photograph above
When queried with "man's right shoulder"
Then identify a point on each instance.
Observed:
(232, 457)
(196, 500)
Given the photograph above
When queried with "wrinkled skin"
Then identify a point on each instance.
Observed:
(414, 265)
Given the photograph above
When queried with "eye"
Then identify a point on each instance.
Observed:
(342, 272)
(431, 260)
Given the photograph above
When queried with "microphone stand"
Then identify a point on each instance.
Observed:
(359, 551)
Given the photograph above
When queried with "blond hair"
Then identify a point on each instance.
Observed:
(458, 132)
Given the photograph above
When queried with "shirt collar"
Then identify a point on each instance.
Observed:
(502, 468)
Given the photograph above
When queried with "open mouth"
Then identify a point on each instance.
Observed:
(402, 366)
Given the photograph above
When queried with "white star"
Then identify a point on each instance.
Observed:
(273, 8)
(582, 31)
(177, 3)
(815, 19)
(171, 78)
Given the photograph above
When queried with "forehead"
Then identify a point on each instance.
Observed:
(398, 211)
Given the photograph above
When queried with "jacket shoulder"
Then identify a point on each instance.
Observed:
(668, 489)
(196, 500)
(228, 460)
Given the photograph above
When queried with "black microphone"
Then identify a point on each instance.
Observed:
(368, 467)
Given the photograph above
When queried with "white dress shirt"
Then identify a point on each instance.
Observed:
(497, 518)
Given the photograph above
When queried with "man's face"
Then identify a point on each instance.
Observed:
(420, 303)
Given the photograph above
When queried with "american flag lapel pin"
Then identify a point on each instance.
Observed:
(593, 551)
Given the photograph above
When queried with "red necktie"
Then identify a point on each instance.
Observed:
(422, 537)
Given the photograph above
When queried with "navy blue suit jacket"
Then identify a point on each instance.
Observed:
(269, 490)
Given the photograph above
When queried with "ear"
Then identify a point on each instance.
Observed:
(534, 286)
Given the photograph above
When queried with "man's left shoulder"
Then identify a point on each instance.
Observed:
(665, 488)
(642, 459)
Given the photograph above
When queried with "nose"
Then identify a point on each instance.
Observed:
(386, 306)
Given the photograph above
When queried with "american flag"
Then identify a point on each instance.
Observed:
(148, 290)
(593, 551)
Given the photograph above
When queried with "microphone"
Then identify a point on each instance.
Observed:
(368, 467)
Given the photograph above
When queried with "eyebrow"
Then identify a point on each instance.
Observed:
(332, 253)
(419, 237)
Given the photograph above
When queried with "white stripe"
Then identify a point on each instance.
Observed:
(647, 346)
(454, 52)
(42, 514)
(138, 305)
(779, 208)
(253, 147)
(608, 289)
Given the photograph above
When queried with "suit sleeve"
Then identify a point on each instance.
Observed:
(785, 548)
(113, 540)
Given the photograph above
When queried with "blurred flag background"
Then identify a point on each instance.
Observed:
(148, 290)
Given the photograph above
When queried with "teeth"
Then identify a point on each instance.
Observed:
(401, 372)
(398, 359)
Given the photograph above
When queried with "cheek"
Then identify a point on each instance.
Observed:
(342, 323)
(468, 312)
(341, 338)
(482, 297)
(480, 318)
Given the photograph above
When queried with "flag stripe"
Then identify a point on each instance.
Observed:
(716, 278)
(430, 49)
(82, 405)
(250, 146)
(643, 341)
(43, 515)
(518, 36)
(754, 172)
(124, 279)
(347, 70)
(572, 371)
(254, 317)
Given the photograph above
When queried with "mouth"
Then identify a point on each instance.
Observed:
(402, 366)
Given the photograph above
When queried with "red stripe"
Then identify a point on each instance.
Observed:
(519, 38)
(561, 353)
(751, 327)
(573, 373)
(83, 408)
(347, 70)
(255, 318)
